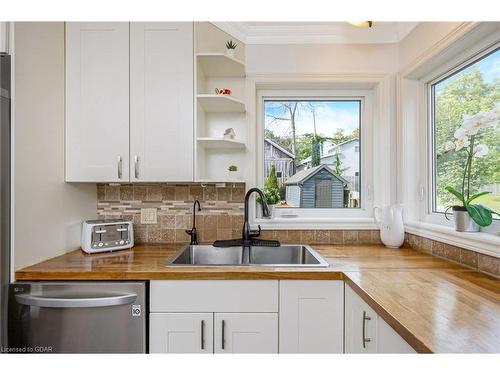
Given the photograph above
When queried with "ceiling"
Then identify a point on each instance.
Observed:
(316, 32)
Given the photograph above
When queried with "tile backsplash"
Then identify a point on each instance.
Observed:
(468, 258)
(221, 216)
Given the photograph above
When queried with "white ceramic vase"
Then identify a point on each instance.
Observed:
(230, 52)
(390, 221)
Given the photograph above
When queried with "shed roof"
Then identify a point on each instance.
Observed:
(279, 147)
(306, 174)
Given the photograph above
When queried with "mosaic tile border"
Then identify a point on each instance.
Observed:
(467, 258)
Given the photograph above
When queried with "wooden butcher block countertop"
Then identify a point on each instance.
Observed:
(436, 305)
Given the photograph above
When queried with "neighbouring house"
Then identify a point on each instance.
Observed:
(317, 187)
(349, 156)
(282, 158)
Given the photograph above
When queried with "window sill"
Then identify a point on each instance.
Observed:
(332, 223)
(484, 243)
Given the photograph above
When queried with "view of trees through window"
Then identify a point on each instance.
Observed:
(466, 93)
(312, 153)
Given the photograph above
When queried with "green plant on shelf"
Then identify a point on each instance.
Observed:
(232, 168)
(231, 45)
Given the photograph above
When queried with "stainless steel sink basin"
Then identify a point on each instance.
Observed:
(282, 256)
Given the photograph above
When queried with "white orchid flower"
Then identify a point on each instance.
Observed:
(448, 146)
(473, 124)
(460, 133)
(481, 150)
(461, 143)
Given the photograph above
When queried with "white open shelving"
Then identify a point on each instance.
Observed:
(215, 113)
(220, 103)
(220, 65)
(221, 143)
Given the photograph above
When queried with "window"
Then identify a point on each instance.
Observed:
(468, 90)
(312, 152)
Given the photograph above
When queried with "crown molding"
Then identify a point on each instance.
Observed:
(316, 32)
(235, 29)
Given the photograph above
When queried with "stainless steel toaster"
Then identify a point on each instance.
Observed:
(107, 235)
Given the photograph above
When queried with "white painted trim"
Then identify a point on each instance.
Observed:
(377, 91)
(481, 242)
(413, 185)
(316, 32)
(321, 223)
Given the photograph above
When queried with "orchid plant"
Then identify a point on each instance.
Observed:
(465, 140)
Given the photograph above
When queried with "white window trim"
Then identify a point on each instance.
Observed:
(376, 135)
(414, 183)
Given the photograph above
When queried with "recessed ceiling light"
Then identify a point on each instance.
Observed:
(362, 23)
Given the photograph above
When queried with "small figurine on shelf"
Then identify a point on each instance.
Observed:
(230, 47)
(224, 91)
(229, 133)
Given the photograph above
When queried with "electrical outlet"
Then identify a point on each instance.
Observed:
(149, 216)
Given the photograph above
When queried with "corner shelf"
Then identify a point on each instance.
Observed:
(220, 103)
(220, 65)
(221, 143)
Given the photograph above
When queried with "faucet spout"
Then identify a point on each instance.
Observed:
(247, 233)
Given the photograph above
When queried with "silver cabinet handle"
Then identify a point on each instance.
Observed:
(30, 300)
(120, 169)
(136, 166)
(202, 335)
(365, 339)
(223, 343)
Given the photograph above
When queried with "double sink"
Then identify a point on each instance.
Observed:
(281, 256)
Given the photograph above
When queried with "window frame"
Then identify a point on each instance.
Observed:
(465, 42)
(454, 66)
(291, 218)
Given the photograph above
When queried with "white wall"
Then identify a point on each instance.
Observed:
(322, 58)
(48, 211)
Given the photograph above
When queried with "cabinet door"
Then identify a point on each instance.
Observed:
(311, 316)
(161, 101)
(360, 324)
(181, 333)
(246, 333)
(97, 101)
(389, 341)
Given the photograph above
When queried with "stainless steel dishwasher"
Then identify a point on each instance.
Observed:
(79, 317)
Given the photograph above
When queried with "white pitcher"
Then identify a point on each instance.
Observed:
(390, 222)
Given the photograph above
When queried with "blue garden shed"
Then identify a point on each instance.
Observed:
(317, 187)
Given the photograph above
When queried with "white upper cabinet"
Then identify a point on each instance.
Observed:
(97, 101)
(311, 316)
(161, 101)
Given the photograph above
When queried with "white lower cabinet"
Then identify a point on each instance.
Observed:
(265, 316)
(181, 333)
(389, 341)
(360, 324)
(311, 316)
(366, 332)
(246, 333)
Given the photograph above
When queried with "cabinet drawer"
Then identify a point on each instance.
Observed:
(214, 295)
